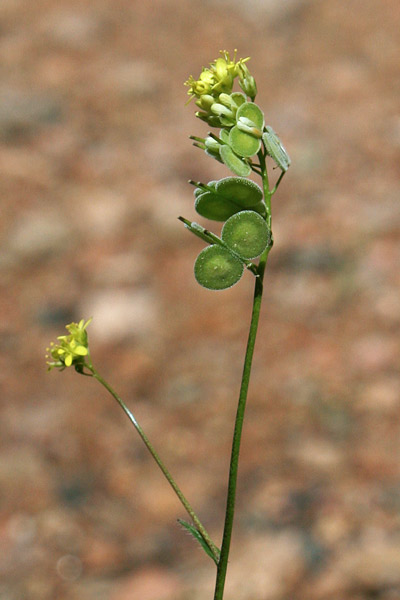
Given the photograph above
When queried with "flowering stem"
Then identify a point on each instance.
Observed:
(237, 434)
(212, 547)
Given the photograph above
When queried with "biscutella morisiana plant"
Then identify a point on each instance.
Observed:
(242, 141)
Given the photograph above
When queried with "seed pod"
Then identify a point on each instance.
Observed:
(243, 143)
(217, 269)
(234, 162)
(275, 149)
(238, 98)
(243, 191)
(224, 136)
(246, 233)
(251, 111)
(247, 143)
(215, 207)
(228, 196)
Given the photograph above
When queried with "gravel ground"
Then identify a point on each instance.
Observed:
(94, 162)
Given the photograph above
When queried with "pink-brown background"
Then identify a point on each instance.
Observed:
(94, 162)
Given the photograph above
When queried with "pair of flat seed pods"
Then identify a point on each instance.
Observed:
(244, 236)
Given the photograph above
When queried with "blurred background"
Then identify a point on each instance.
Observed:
(94, 162)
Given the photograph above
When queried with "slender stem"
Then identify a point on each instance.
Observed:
(213, 548)
(278, 182)
(234, 463)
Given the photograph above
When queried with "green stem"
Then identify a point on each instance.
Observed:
(237, 435)
(213, 548)
(278, 182)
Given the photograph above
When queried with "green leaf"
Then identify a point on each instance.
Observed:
(197, 536)
(216, 268)
(234, 162)
(275, 149)
(246, 233)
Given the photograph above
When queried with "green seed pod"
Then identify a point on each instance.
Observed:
(217, 269)
(215, 207)
(234, 162)
(224, 136)
(238, 98)
(275, 149)
(246, 234)
(227, 197)
(251, 111)
(243, 191)
(243, 144)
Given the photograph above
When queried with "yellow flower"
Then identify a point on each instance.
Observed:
(203, 85)
(216, 79)
(71, 349)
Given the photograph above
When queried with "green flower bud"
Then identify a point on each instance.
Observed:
(221, 110)
(227, 101)
(205, 102)
(247, 81)
(212, 145)
(248, 126)
(212, 120)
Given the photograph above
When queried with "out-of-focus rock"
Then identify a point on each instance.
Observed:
(152, 583)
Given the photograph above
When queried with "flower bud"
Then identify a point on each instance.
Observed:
(211, 145)
(205, 101)
(248, 126)
(247, 81)
(221, 110)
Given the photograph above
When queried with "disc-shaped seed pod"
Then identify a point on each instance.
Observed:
(238, 98)
(275, 149)
(215, 207)
(243, 191)
(246, 143)
(246, 233)
(224, 135)
(232, 194)
(217, 269)
(251, 111)
(234, 162)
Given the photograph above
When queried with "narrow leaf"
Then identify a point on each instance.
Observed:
(197, 536)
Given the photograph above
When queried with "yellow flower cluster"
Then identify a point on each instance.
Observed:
(71, 349)
(218, 78)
